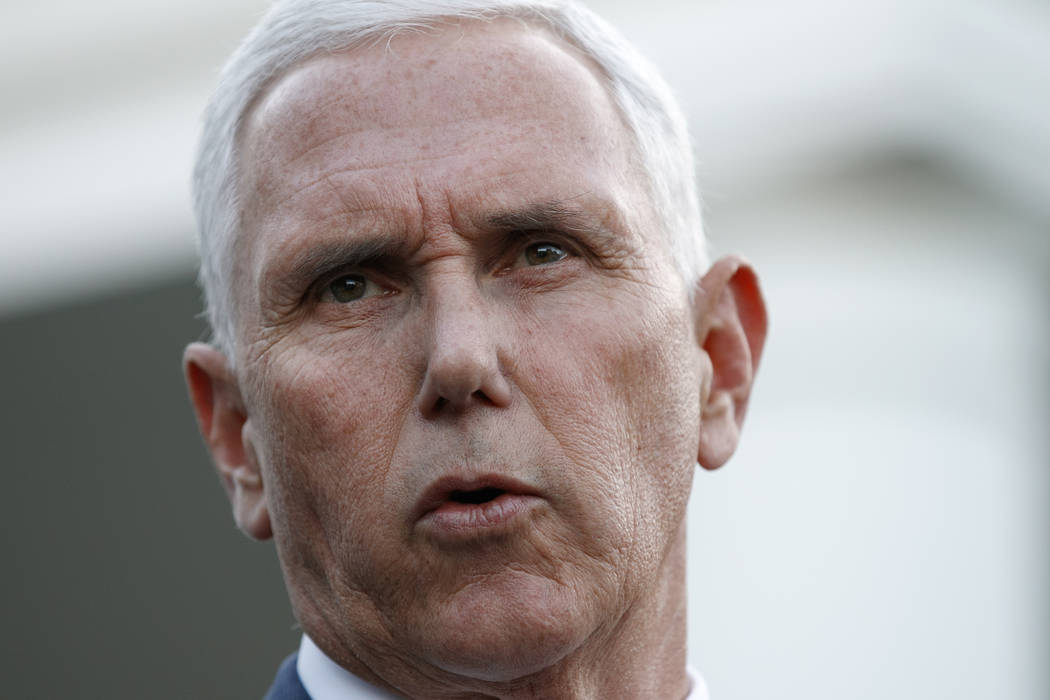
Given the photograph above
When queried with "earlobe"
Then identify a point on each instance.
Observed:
(731, 325)
(222, 420)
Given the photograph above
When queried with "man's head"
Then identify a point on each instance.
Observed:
(469, 382)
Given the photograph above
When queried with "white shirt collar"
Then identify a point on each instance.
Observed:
(324, 679)
(698, 691)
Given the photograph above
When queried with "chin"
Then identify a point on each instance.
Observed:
(508, 627)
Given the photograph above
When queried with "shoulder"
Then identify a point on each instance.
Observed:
(286, 685)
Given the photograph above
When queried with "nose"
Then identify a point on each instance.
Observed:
(463, 353)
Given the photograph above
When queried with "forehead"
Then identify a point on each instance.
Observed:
(451, 70)
(475, 114)
(454, 89)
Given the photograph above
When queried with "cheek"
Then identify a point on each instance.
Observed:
(617, 384)
(660, 383)
(330, 423)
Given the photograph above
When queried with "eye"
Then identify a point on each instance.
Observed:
(347, 288)
(544, 253)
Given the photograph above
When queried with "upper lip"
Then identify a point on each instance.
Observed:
(442, 489)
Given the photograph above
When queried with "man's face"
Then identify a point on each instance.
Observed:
(470, 372)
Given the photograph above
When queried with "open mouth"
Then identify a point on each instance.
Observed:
(476, 496)
(458, 509)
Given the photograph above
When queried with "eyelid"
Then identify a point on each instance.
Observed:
(566, 242)
(321, 289)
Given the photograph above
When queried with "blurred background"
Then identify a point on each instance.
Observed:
(883, 531)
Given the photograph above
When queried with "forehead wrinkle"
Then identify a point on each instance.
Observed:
(355, 143)
(359, 120)
(352, 170)
(361, 67)
(350, 201)
(270, 171)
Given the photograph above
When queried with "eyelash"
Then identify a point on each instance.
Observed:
(322, 288)
(519, 250)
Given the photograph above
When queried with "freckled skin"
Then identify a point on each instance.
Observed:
(580, 377)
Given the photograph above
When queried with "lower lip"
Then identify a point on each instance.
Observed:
(461, 522)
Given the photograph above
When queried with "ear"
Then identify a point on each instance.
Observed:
(227, 431)
(731, 326)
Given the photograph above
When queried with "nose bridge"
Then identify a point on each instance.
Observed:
(455, 313)
(463, 343)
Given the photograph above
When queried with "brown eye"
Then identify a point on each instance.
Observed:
(348, 288)
(543, 253)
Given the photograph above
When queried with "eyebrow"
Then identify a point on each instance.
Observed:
(543, 216)
(556, 216)
(324, 258)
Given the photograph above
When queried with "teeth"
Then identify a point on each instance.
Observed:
(476, 497)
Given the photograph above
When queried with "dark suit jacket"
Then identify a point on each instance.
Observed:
(287, 686)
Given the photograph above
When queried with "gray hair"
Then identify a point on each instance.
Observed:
(295, 30)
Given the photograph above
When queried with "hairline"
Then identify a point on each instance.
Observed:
(224, 200)
(636, 157)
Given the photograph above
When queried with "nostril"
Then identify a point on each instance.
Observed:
(475, 497)
(454, 385)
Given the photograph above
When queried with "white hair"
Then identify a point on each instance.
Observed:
(294, 30)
